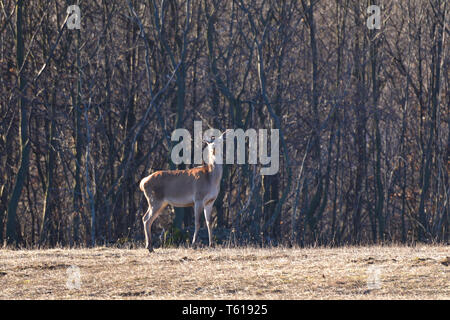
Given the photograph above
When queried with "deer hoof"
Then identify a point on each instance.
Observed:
(150, 250)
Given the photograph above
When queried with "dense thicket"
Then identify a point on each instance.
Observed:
(363, 117)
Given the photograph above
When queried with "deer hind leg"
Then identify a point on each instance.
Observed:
(154, 210)
(198, 207)
(208, 217)
(147, 230)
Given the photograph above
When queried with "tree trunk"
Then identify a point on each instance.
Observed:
(12, 223)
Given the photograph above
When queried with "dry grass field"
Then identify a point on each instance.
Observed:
(390, 272)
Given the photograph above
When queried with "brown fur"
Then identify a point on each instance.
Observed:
(197, 187)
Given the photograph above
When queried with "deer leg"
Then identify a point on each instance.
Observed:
(208, 218)
(198, 206)
(147, 230)
(154, 211)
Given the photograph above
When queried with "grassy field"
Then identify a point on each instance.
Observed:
(392, 272)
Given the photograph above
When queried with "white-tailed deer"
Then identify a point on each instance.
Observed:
(197, 187)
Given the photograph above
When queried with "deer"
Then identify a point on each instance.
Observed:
(197, 187)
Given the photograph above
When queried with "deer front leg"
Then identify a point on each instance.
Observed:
(198, 206)
(208, 218)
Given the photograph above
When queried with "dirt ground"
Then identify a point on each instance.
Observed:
(391, 272)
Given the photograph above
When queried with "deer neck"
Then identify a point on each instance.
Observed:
(217, 171)
(214, 168)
